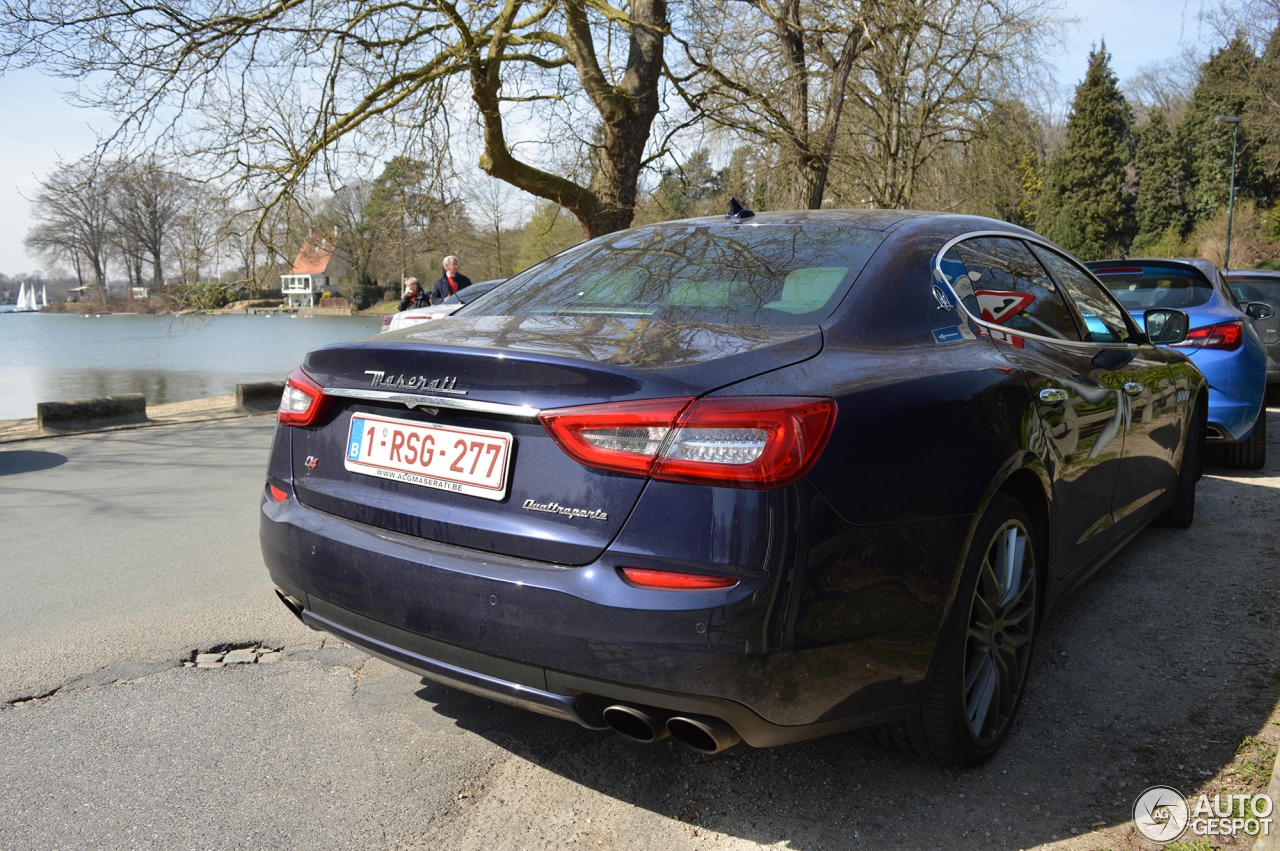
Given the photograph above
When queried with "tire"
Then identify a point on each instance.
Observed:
(1250, 453)
(1182, 512)
(983, 654)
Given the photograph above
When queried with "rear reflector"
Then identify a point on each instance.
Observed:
(303, 400)
(276, 494)
(733, 441)
(669, 580)
(1227, 336)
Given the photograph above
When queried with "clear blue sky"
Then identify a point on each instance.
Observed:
(40, 127)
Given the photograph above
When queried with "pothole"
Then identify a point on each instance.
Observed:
(223, 655)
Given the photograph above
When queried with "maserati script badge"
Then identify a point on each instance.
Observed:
(415, 382)
(557, 508)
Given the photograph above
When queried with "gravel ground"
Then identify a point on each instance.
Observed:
(1162, 670)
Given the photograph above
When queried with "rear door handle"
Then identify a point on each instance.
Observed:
(1054, 395)
(1133, 388)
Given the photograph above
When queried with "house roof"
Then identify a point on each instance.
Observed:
(313, 257)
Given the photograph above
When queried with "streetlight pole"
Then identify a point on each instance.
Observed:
(1234, 121)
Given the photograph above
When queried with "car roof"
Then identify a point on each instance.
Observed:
(880, 220)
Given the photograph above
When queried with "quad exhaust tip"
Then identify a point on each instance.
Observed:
(645, 724)
(637, 723)
(702, 733)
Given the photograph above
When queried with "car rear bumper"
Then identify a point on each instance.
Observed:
(568, 642)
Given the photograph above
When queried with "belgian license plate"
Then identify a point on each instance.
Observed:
(469, 461)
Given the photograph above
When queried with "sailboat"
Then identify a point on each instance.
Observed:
(26, 299)
(44, 296)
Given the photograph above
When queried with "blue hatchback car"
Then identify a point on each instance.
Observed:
(1222, 343)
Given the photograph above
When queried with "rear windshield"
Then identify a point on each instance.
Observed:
(1261, 288)
(743, 275)
(1144, 288)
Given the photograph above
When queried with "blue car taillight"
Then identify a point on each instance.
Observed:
(1227, 336)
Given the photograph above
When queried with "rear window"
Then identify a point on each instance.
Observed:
(1261, 288)
(1144, 288)
(744, 275)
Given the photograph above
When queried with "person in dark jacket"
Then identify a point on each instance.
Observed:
(413, 295)
(450, 282)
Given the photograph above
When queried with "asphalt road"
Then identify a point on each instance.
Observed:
(124, 553)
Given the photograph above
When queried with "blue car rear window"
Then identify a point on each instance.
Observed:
(741, 275)
(1141, 288)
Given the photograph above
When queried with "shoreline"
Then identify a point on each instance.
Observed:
(171, 413)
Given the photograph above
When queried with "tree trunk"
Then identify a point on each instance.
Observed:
(626, 113)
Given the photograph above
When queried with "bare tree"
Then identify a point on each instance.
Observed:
(939, 69)
(280, 92)
(1165, 87)
(198, 230)
(73, 211)
(146, 202)
(792, 93)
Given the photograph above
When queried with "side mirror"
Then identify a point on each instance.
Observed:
(1167, 327)
(1259, 310)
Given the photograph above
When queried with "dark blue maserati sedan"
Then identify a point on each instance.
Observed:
(760, 478)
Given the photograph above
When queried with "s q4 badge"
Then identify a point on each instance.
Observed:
(311, 462)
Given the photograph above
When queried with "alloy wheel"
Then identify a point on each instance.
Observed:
(1000, 631)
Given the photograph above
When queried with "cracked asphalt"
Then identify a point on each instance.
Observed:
(123, 554)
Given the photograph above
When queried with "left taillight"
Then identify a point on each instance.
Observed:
(303, 400)
(734, 441)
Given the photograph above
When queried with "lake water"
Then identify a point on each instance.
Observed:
(51, 357)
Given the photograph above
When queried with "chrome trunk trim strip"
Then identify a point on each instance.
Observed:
(413, 400)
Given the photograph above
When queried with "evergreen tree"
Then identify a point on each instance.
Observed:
(1224, 89)
(1161, 178)
(1083, 206)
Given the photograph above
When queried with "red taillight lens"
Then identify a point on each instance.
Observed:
(625, 436)
(670, 580)
(735, 441)
(1228, 336)
(276, 494)
(303, 400)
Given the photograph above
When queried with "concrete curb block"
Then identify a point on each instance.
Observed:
(1271, 842)
(259, 396)
(88, 413)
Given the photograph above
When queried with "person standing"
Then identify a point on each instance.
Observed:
(413, 295)
(450, 282)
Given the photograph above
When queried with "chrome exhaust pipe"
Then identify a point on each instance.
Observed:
(637, 723)
(702, 733)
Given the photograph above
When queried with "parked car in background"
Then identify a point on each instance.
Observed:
(767, 477)
(466, 295)
(1222, 343)
(1249, 285)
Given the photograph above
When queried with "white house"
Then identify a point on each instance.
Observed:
(317, 269)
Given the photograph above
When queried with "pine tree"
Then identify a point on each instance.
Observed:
(1084, 207)
(1226, 83)
(1161, 178)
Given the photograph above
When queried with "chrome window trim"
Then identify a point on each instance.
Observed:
(941, 277)
(413, 400)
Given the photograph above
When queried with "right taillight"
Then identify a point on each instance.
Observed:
(1228, 336)
(303, 400)
(733, 441)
